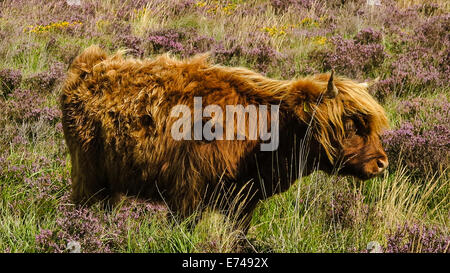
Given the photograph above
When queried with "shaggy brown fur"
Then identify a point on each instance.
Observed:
(117, 127)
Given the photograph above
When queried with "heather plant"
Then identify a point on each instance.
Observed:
(29, 171)
(421, 60)
(46, 81)
(368, 36)
(229, 55)
(10, 79)
(417, 238)
(185, 43)
(94, 230)
(256, 50)
(20, 104)
(283, 5)
(24, 105)
(133, 44)
(183, 6)
(357, 57)
(346, 208)
(394, 18)
(261, 54)
(168, 40)
(421, 141)
(80, 225)
(123, 37)
(414, 72)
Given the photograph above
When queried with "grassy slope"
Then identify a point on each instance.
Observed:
(302, 220)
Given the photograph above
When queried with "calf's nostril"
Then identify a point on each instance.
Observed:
(381, 164)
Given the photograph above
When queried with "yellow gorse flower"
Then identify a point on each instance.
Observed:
(140, 12)
(226, 7)
(200, 4)
(277, 31)
(274, 31)
(310, 22)
(320, 40)
(229, 8)
(102, 23)
(50, 27)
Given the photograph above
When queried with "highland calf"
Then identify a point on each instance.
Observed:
(118, 126)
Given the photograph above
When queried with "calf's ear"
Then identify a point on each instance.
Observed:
(311, 90)
(331, 91)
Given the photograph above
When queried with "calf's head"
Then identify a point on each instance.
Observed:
(346, 123)
(360, 152)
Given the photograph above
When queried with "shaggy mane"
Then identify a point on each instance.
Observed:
(325, 117)
(353, 99)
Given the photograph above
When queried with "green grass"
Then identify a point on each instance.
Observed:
(296, 221)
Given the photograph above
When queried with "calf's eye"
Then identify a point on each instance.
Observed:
(349, 125)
